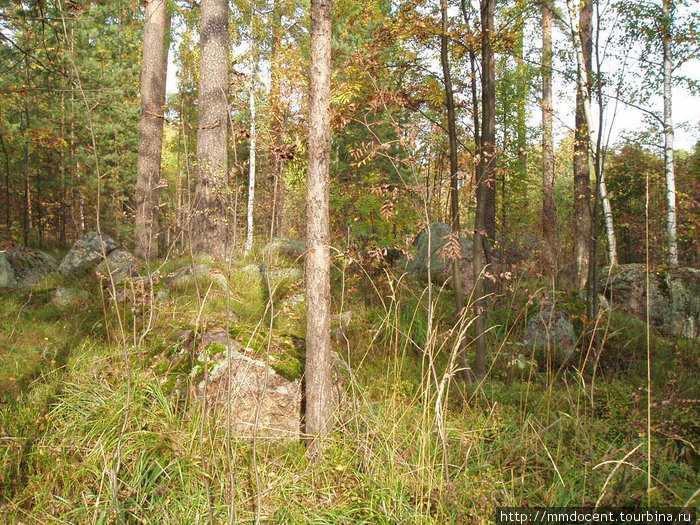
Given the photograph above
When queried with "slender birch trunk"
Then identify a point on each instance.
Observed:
(668, 137)
(253, 139)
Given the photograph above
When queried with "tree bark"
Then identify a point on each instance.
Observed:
(153, 74)
(454, 179)
(667, 8)
(488, 134)
(277, 119)
(253, 139)
(318, 377)
(582, 175)
(209, 223)
(549, 210)
(485, 181)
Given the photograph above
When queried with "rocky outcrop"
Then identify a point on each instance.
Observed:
(674, 297)
(87, 252)
(24, 267)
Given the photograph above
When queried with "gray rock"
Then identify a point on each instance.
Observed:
(196, 272)
(431, 247)
(340, 324)
(292, 302)
(258, 396)
(284, 247)
(118, 266)
(64, 297)
(253, 270)
(289, 275)
(87, 252)
(674, 297)
(550, 330)
(27, 266)
(7, 273)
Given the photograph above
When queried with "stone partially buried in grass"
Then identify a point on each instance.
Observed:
(258, 396)
(64, 297)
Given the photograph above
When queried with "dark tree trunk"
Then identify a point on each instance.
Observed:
(582, 175)
(485, 181)
(153, 73)
(549, 211)
(454, 176)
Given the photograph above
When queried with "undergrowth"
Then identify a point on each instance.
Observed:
(91, 432)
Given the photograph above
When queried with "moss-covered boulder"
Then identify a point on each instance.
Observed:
(283, 248)
(7, 273)
(87, 252)
(117, 267)
(552, 327)
(24, 267)
(65, 297)
(433, 247)
(674, 296)
(198, 272)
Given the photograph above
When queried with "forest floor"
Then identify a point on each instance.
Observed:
(91, 433)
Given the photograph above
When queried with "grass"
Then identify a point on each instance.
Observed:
(91, 432)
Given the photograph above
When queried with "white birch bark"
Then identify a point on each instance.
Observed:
(668, 140)
(251, 158)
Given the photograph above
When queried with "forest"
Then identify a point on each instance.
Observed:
(315, 261)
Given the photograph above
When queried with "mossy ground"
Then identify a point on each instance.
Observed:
(90, 431)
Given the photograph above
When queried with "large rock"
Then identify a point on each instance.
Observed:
(247, 392)
(674, 297)
(118, 266)
(7, 272)
(550, 330)
(196, 272)
(87, 252)
(283, 247)
(24, 267)
(432, 247)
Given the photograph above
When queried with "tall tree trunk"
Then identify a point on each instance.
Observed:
(583, 43)
(667, 7)
(8, 216)
(253, 138)
(276, 122)
(582, 174)
(209, 228)
(454, 177)
(318, 320)
(549, 210)
(485, 178)
(488, 142)
(153, 74)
